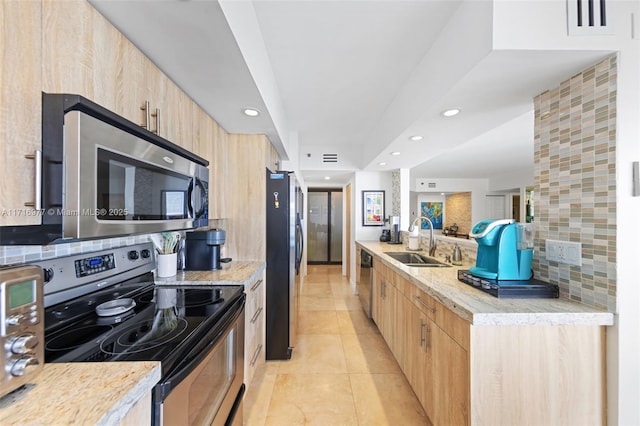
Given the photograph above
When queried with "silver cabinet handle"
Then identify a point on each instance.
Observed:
(37, 202)
(256, 285)
(157, 117)
(423, 339)
(432, 310)
(426, 337)
(147, 115)
(256, 315)
(254, 358)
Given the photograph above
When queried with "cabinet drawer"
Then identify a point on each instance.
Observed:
(425, 303)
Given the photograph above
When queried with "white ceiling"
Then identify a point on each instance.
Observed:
(341, 73)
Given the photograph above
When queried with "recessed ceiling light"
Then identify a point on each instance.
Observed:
(251, 112)
(382, 164)
(395, 153)
(451, 112)
(327, 178)
(415, 138)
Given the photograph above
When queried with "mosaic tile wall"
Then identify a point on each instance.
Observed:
(575, 182)
(457, 209)
(396, 208)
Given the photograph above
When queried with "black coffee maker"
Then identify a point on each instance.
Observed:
(203, 250)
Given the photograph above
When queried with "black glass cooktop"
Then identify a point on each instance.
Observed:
(164, 324)
(529, 289)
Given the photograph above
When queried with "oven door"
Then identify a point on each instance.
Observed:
(118, 184)
(208, 389)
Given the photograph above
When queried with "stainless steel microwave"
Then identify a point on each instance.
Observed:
(104, 176)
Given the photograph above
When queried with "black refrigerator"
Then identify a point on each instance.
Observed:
(284, 253)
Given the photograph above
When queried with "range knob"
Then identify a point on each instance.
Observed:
(24, 344)
(145, 254)
(48, 274)
(18, 368)
(133, 255)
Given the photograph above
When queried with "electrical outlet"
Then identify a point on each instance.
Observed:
(564, 252)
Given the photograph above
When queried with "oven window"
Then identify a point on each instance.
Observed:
(209, 389)
(129, 189)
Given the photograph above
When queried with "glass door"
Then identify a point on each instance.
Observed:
(324, 226)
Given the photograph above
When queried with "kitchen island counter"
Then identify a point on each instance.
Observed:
(108, 393)
(480, 308)
(233, 273)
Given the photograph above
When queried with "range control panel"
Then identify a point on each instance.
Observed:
(93, 265)
(72, 276)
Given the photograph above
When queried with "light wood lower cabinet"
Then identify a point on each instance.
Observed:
(436, 366)
(466, 374)
(387, 309)
(139, 414)
(254, 320)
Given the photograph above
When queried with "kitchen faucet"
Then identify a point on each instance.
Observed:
(432, 241)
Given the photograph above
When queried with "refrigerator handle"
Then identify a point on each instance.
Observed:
(300, 243)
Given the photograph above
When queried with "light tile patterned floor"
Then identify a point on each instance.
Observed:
(341, 371)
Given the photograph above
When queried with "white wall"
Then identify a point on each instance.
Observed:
(363, 181)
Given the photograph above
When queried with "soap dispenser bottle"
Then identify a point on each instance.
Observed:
(456, 258)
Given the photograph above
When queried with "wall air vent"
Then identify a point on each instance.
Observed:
(329, 158)
(431, 185)
(588, 17)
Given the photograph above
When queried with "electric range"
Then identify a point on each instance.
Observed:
(104, 306)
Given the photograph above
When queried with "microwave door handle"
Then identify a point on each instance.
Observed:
(191, 205)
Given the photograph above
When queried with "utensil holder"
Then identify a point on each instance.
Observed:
(167, 264)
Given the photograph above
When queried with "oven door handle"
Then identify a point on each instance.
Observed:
(175, 376)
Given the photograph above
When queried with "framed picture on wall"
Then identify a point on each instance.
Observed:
(432, 210)
(372, 208)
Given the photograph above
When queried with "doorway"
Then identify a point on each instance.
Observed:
(324, 226)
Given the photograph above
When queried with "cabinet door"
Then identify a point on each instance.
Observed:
(450, 380)
(84, 54)
(20, 108)
(418, 359)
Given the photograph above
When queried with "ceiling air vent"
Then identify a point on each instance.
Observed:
(329, 158)
(588, 17)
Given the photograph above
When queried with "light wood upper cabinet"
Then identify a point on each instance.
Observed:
(84, 54)
(20, 108)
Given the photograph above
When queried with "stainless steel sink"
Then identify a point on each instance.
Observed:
(415, 259)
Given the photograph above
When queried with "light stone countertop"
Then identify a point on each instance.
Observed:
(480, 308)
(232, 273)
(80, 394)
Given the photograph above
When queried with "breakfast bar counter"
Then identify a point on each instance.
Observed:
(108, 393)
(480, 308)
(472, 358)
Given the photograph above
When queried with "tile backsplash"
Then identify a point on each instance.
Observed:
(25, 254)
(575, 182)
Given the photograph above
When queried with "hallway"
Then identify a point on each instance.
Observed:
(341, 371)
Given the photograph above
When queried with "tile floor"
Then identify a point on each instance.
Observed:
(341, 371)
